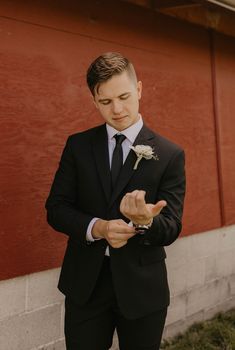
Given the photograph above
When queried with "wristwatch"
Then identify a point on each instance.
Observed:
(142, 228)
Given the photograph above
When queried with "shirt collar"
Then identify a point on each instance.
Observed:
(130, 132)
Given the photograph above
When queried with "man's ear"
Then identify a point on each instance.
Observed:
(94, 101)
(139, 89)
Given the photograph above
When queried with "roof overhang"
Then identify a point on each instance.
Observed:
(218, 15)
(227, 4)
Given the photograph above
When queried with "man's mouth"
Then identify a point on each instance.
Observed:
(119, 118)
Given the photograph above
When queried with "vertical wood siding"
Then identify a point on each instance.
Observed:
(44, 53)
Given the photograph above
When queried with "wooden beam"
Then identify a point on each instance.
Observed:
(160, 4)
(217, 18)
(229, 5)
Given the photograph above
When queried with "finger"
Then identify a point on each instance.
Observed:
(140, 201)
(114, 235)
(119, 238)
(123, 236)
(119, 226)
(124, 204)
(130, 207)
(121, 222)
(119, 245)
(125, 229)
(133, 200)
(158, 207)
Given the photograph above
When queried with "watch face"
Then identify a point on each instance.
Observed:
(141, 228)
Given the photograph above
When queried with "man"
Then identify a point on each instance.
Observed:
(119, 206)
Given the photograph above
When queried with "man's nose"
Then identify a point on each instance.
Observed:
(117, 107)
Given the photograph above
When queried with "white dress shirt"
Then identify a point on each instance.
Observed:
(131, 134)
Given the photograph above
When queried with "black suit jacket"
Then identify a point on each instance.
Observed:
(82, 190)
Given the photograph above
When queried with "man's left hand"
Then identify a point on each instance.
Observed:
(134, 207)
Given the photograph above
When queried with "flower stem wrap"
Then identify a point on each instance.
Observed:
(143, 151)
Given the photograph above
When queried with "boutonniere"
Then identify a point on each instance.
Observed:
(143, 151)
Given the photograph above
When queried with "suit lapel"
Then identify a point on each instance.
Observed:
(101, 154)
(144, 137)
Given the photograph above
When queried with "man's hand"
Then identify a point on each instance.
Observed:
(134, 207)
(116, 232)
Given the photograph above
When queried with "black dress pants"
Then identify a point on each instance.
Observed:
(91, 327)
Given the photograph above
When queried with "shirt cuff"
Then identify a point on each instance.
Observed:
(132, 225)
(89, 236)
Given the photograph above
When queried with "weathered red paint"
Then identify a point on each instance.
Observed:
(45, 50)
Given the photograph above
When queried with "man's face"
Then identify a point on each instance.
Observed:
(118, 101)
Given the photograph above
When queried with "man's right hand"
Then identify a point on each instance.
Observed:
(116, 232)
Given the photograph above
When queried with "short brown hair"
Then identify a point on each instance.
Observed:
(105, 67)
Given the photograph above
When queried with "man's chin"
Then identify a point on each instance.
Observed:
(122, 123)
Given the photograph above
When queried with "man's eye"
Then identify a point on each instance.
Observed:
(125, 97)
(105, 102)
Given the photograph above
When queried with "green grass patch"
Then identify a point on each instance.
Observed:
(215, 334)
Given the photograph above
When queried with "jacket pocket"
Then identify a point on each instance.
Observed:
(150, 255)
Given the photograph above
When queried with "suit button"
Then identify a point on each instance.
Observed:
(146, 242)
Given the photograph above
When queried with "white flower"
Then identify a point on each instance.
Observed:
(143, 151)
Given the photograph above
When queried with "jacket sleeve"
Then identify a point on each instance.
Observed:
(167, 225)
(62, 207)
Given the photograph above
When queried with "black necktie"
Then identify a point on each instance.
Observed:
(117, 159)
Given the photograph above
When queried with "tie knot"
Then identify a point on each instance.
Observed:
(119, 138)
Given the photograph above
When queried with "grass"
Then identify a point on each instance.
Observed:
(215, 334)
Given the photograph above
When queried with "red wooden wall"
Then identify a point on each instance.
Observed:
(225, 111)
(188, 77)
